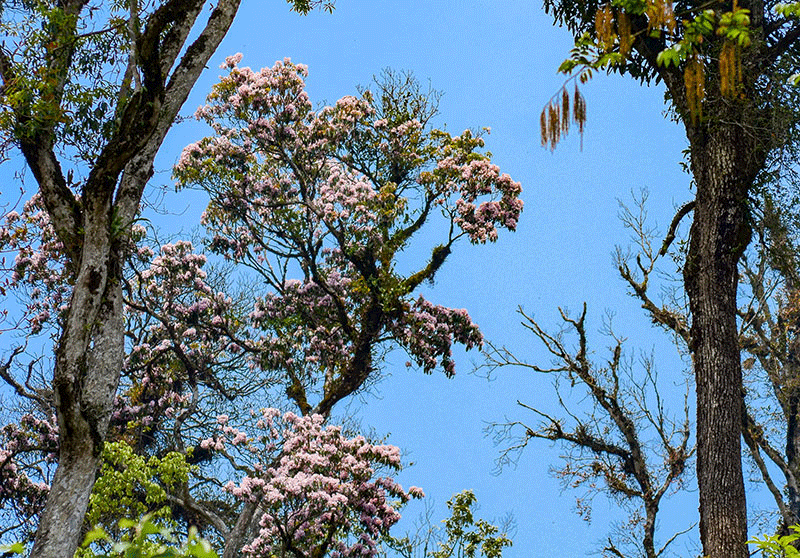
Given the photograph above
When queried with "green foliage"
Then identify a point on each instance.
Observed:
(35, 95)
(707, 36)
(9, 549)
(788, 10)
(145, 539)
(777, 546)
(131, 485)
(305, 6)
(734, 26)
(463, 536)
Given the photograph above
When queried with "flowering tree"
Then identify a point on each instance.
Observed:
(336, 195)
(320, 334)
(726, 68)
(313, 485)
(28, 447)
(87, 95)
(364, 178)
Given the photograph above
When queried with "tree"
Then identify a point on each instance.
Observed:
(319, 492)
(769, 338)
(105, 123)
(356, 183)
(631, 443)
(628, 446)
(314, 487)
(723, 67)
(336, 195)
(332, 196)
(767, 335)
(461, 536)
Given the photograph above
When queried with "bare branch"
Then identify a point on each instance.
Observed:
(673, 226)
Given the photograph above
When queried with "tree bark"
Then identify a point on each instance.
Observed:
(85, 384)
(94, 231)
(723, 168)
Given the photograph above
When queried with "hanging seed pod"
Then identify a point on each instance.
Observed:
(579, 111)
(604, 27)
(694, 80)
(660, 16)
(730, 69)
(554, 124)
(543, 127)
(624, 30)
(556, 118)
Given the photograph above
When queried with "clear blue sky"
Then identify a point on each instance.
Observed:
(496, 64)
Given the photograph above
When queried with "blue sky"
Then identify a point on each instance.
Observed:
(496, 64)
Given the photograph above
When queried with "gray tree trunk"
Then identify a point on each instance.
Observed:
(94, 230)
(725, 161)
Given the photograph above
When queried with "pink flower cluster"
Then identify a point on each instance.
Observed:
(27, 453)
(319, 490)
(488, 199)
(302, 323)
(185, 314)
(335, 195)
(182, 333)
(40, 269)
(427, 331)
(268, 134)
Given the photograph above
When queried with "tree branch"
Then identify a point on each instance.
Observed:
(673, 226)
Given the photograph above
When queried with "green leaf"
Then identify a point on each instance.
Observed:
(96, 534)
(567, 66)
(16, 548)
(149, 528)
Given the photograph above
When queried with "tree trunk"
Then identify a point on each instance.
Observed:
(246, 525)
(88, 363)
(722, 166)
(93, 230)
(790, 395)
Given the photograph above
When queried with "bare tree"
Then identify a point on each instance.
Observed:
(628, 444)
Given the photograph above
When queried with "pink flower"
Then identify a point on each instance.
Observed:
(232, 61)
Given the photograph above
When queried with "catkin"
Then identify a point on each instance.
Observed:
(624, 30)
(604, 26)
(730, 69)
(694, 79)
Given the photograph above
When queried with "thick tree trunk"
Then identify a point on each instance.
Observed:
(720, 232)
(242, 532)
(61, 522)
(88, 363)
(93, 230)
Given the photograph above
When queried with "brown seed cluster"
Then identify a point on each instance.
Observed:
(694, 79)
(660, 16)
(613, 32)
(604, 27)
(730, 68)
(557, 117)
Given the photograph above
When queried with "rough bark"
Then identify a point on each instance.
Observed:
(93, 230)
(724, 166)
(85, 384)
(791, 407)
(246, 524)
